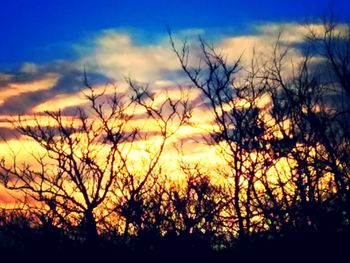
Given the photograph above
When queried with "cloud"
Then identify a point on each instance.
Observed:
(32, 85)
(8, 133)
(116, 55)
(76, 98)
(113, 55)
(13, 89)
(262, 42)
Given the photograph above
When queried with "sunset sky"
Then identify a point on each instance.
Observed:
(45, 45)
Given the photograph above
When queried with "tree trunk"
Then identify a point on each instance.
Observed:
(90, 229)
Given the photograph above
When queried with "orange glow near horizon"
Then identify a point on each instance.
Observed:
(187, 146)
(189, 137)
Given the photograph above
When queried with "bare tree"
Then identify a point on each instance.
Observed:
(311, 123)
(85, 172)
(239, 128)
(140, 192)
(303, 128)
(73, 176)
(285, 163)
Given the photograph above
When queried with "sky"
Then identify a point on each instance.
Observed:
(42, 31)
(46, 45)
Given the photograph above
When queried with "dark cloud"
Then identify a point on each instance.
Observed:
(8, 133)
(23, 103)
(70, 81)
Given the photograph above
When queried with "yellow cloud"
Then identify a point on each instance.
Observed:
(65, 100)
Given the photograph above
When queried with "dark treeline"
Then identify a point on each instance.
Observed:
(283, 191)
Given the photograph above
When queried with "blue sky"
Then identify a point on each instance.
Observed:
(44, 30)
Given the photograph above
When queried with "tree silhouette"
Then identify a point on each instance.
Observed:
(303, 127)
(279, 127)
(85, 171)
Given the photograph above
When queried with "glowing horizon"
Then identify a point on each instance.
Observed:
(45, 88)
(46, 72)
